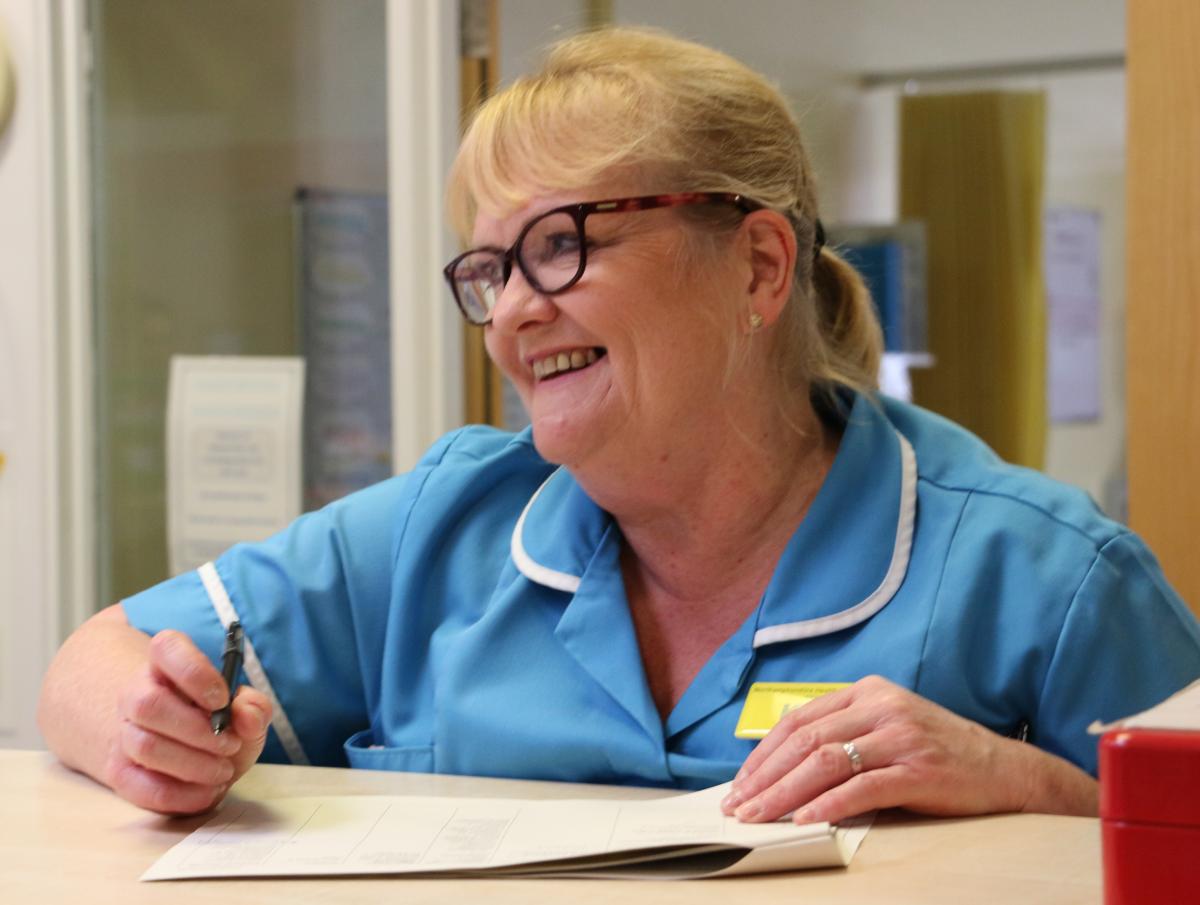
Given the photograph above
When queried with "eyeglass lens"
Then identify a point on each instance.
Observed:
(549, 253)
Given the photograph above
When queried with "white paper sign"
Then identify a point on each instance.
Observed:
(1072, 268)
(233, 453)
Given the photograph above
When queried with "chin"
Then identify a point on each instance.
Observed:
(559, 443)
(549, 445)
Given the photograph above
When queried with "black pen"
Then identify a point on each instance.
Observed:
(231, 665)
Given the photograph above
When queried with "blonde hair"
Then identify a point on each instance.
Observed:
(674, 116)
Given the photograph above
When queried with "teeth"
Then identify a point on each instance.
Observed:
(564, 361)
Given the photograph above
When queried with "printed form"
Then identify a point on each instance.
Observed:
(675, 837)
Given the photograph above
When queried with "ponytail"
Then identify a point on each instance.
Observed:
(839, 343)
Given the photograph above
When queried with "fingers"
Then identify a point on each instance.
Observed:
(814, 710)
(152, 703)
(913, 753)
(171, 758)
(804, 756)
(792, 748)
(161, 774)
(166, 757)
(158, 792)
(825, 766)
(183, 664)
(251, 721)
(868, 791)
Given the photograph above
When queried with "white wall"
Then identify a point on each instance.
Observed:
(29, 537)
(1086, 168)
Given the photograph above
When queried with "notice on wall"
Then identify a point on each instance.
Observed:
(233, 453)
(345, 328)
(1072, 268)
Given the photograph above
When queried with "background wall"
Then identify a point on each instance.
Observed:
(816, 51)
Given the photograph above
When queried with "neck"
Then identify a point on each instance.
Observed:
(697, 516)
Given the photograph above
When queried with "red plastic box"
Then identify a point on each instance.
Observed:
(1150, 816)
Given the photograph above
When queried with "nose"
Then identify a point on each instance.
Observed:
(520, 304)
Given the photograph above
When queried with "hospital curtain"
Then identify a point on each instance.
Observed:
(971, 169)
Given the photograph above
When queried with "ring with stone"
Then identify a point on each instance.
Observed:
(856, 763)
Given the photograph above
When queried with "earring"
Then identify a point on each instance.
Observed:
(756, 321)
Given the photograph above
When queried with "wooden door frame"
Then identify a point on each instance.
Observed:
(1163, 290)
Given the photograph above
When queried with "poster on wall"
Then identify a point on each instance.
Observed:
(345, 337)
(233, 452)
(1071, 261)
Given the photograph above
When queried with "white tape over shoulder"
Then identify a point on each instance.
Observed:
(252, 665)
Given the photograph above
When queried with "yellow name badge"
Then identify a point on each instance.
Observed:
(767, 702)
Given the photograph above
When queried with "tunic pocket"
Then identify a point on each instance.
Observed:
(364, 755)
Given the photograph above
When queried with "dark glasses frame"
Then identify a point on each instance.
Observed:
(579, 213)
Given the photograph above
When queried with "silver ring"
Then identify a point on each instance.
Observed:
(856, 764)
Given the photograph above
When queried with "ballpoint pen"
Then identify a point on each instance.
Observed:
(231, 664)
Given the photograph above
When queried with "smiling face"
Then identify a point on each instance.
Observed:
(631, 359)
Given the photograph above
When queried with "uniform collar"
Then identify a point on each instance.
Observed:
(558, 533)
(850, 554)
(844, 563)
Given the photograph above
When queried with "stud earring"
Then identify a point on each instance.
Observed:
(756, 321)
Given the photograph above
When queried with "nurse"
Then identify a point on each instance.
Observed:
(712, 495)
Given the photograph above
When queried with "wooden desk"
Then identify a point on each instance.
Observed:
(65, 839)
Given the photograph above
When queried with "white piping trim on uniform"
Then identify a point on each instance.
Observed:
(878, 599)
(543, 575)
(252, 665)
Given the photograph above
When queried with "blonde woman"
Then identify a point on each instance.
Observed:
(711, 495)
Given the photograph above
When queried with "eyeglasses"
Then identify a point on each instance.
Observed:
(551, 250)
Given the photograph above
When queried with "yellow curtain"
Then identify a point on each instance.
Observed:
(478, 61)
(971, 169)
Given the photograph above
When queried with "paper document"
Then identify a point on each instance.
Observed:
(1180, 711)
(678, 837)
(233, 452)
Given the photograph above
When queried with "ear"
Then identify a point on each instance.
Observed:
(769, 244)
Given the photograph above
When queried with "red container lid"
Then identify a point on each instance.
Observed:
(1150, 776)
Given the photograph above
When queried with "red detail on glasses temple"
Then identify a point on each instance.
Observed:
(647, 202)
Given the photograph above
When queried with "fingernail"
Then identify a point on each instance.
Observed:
(215, 697)
(731, 801)
(749, 811)
(229, 744)
(742, 774)
(224, 772)
(805, 815)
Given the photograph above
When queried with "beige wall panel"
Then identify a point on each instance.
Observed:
(1163, 309)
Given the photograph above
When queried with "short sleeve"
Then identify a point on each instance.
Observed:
(313, 601)
(1128, 642)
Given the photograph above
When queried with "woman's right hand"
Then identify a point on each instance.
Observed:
(165, 756)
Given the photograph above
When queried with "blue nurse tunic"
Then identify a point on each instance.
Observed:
(470, 616)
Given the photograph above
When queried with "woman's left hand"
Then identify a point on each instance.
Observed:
(911, 753)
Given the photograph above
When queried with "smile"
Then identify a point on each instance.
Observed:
(561, 362)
